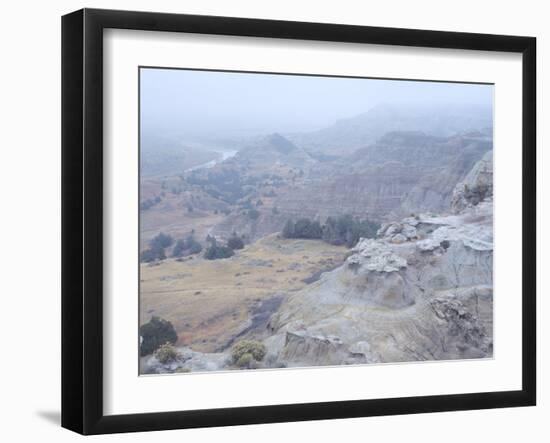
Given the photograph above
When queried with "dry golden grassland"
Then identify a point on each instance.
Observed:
(209, 302)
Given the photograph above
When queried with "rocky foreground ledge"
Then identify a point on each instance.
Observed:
(426, 298)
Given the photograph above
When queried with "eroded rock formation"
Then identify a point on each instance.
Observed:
(421, 291)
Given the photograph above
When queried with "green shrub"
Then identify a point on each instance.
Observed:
(288, 230)
(149, 203)
(253, 214)
(156, 248)
(166, 353)
(194, 248)
(215, 252)
(162, 240)
(303, 228)
(155, 333)
(152, 254)
(179, 249)
(235, 242)
(246, 352)
(341, 230)
(347, 230)
(186, 247)
(245, 361)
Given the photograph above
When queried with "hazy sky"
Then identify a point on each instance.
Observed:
(202, 103)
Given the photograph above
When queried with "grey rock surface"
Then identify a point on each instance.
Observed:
(428, 297)
(187, 361)
(477, 186)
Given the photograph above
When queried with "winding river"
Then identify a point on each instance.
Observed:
(222, 156)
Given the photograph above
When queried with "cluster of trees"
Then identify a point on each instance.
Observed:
(341, 230)
(348, 230)
(187, 246)
(158, 245)
(216, 251)
(156, 248)
(303, 228)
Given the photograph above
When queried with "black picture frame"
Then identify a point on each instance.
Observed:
(82, 218)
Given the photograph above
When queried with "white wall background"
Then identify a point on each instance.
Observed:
(30, 218)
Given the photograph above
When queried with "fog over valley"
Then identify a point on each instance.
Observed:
(211, 104)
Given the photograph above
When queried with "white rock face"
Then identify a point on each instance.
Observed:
(400, 232)
(477, 186)
(373, 255)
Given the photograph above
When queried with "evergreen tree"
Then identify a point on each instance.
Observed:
(215, 252)
(235, 242)
(162, 240)
(156, 333)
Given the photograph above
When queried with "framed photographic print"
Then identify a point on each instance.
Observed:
(269, 221)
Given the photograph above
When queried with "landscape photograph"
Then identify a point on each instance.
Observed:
(295, 221)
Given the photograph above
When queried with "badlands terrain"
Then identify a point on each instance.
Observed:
(418, 287)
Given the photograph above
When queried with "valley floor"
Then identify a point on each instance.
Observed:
(211, 302)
